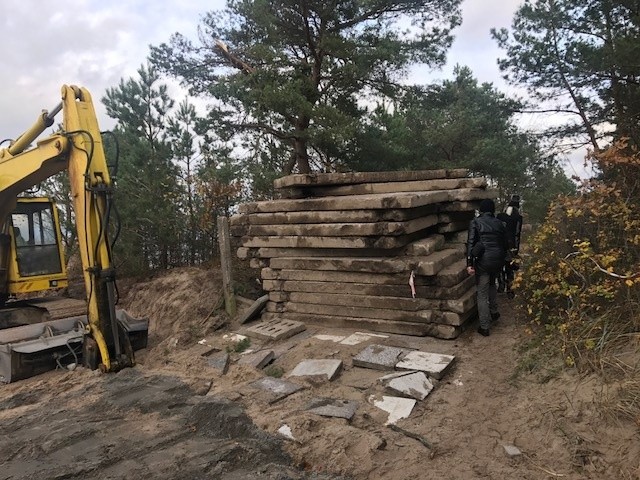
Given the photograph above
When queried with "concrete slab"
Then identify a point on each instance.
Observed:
(434, 364)
(275, 329)
(368, 313)
(317, 367)
(219, 361)
(379, 357)
(254, 310)
(257, 360)
(348, 178)
(329, 407)
(359, 337)
(397, 407)
(277, 388)
(413, 385)
(425, 246)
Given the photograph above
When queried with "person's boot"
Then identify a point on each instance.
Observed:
(483, 331)
(495, 316)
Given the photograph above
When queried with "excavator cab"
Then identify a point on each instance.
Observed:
(38, 264)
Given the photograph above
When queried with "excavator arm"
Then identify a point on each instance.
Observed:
(78, 149)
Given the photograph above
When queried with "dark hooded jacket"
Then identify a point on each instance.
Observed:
(487, 243)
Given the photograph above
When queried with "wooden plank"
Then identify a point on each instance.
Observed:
(365, 177)
(224, 241)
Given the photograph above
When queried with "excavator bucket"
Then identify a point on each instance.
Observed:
(32, 349)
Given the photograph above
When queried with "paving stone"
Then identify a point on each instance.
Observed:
(257, 360)
(359, 337)
(379, 357)
(275, 329)
(414, 384)
(397, 407)
(321, 367)
(329, 407)
(276, 387)
(434, 364)
(219, 361)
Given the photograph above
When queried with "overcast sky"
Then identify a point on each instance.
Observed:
(95, 43)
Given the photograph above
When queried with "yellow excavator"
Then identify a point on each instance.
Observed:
(33, 337)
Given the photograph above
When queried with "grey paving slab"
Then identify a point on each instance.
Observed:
(379, 357)
(276, 329)
(329, 407)
(414, 385)
(219, 361)
(257, 360)
(317, 367)
(434, 364)
(277, 388)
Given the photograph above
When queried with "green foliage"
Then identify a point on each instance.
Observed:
(299, 69)
(582, 283)
(274, 371)
(239, 346)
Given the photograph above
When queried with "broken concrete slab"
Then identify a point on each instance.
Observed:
(329, 338)
(328, 368)
(219, 361)
(435, 365)
(277, 388)
(254, 310)
(329, 407)
(276, 329)
(397, 407)
(413, 384)
(379, 357)
(257, 360)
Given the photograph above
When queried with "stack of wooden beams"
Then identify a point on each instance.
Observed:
(343, 249)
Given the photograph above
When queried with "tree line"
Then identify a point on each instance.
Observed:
(288, 86)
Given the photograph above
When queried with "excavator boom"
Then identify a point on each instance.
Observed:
(107, 337)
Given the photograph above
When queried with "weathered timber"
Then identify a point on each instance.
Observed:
(382, 326)
(333, 216)
(368, 202)
(365, 177)
(338, 229)
(387, 187)
(403, 290)
(292, 241)
(429, 265)
(356, 312)
(447, 277)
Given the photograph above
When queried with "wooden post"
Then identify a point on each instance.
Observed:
(224, 241)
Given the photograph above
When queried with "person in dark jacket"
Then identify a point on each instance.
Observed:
(513, 221)
(487, 245)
